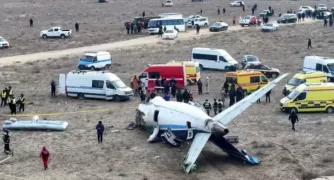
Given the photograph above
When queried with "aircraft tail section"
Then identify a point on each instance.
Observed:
(229, 149)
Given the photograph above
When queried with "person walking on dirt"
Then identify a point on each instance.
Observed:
(243, 8)
(3, 98)
(215, 106)
(233, 20)
(293, 118)
(201, 11)
(309, 44)
(22, 102)
(218, 11)
(200, 87)
(100, 130)
(76, 27)
(53, 88)
(13, 104)
(31, 22)
(6, 141)
(268, 96)
(131, 27)
(197, 29)
(143, 14)
(207, 81)
(127, 26)
(224, 10)
(45, 154)
(325, 22)
(160, 31)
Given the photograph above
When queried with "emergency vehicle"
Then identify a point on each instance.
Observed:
(248, 80)
(304, 77)
(310, 98)
(192, 70)
(167, 71)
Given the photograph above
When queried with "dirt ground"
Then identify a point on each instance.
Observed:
(125, 154)
(103, 22)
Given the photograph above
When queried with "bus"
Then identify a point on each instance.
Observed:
(153, 24)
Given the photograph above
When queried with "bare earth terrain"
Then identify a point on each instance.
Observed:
(125, 154)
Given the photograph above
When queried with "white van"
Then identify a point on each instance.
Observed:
(214, 59)
(93, 84)
(92, 61)
(322, 64)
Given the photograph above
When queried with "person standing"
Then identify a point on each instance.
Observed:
(53, 88)
(309, 44)
(259, 100)
(31, 22)
(268, 96)
(201, 11)
(224, 10)
(218, 11)
(6, 141)
(325, 22)
(10, 91)
(100, 130)
(239, 94)
(200, 87)
(76, 27)
(215, 106)
(207, 106)
(197, 28)
(3, 98)
(225, 87)
(222, 96)
(22, 102)
(143, 14)
(207, 81)
(243, 7)
(232, 97)
(293, 118)
(233, 20)
(173, 89)
(220, 106)
(13, 104)
(45, 154)
(185, 96)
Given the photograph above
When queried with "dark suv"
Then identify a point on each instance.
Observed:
(287, 18)
(267, 71)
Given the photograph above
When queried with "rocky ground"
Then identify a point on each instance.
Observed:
(125, 154)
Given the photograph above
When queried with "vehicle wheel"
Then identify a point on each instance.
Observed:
(242, 25)
(329, 79)
(189, 82)
(44, 36)
(275, 75)
(92, 68)
(201, 67)
(329, 110)
(117, 98)
(226, 28)
(227, 69)
(81, 96)
(205, 25)
(62, 36)
(106, 67)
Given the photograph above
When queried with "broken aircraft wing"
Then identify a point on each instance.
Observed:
(195, 149)
(230, 113)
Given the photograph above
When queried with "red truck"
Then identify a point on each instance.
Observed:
(167, 71)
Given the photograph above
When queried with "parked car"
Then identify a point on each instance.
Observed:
(248, 20)
(249, 59)
(218, 26)
(56, 32)
(102, 1)
(305, 8)
(191, 17)
(170, 34)
(269, 27)
(287, 18)
(237, 4)
(322, 7)
(267, 71)
(265, 13)
(201, 21)
(3, 43)
(167, 3)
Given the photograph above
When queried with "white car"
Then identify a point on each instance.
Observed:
(305, 8)
(237, 4)
(202, 21)
(269, 27)
(3, 43)
(56, 32)
(192, 17)
(322, 7)
(167, 3)
(170, 34)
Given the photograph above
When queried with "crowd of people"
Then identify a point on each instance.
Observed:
(8, 98)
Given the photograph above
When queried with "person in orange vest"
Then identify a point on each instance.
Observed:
(234, 19)
(45, 154)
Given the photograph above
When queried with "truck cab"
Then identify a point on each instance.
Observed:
(55, 32)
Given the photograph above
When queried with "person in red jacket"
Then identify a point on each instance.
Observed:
(45, 157)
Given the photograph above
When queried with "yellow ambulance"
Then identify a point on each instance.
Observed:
(304, 77)
(192, 70)
(310, 98)
(248, 80)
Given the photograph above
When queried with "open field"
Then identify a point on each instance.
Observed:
(103, 22)
(125, 154)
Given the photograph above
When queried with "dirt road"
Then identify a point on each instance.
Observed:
(5, 61)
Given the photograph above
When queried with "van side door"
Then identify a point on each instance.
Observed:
(152, 77)
(110, 90)
(97, 90)
(144, 78)
(254, 83)
(222, 63)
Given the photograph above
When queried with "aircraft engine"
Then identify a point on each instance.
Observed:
(216, 127)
